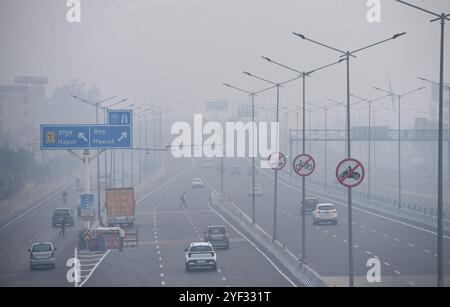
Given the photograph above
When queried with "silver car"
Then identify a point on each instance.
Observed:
(42, 254)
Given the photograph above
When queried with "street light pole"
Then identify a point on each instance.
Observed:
(399, 97)
(448, 136)
(302, 75)
(252, 95)
(440, 237)
(97, 106)
(347, 55)
(369, 102)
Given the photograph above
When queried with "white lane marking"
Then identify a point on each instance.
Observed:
(387, 264)
(158, 252)
(397, 272)
(325, 231)
(335, 236)
(163, 283)
(218, 270)
(411, 283)
(161, 275)
(411, 245)
(427, 251)
(368, 252)
(160, 266)
(164, 184)
(343, 240)
(363, 227)
(159, 258)
(384, 235)
(373, 230)
(397, 239)
(356, 246)
(360, 209)
(224, 279)
(94, 268)
(28, 211)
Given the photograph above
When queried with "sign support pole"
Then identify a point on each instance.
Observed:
(86, 154)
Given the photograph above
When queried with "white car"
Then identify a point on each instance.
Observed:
(325, 213)
(42, 254)
(197, 183)
(200, 255)
(257, 191)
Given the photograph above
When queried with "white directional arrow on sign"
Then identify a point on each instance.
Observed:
(123, 135)
(82, 136)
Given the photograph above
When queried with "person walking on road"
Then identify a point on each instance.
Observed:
(183, 200)
(63, 226)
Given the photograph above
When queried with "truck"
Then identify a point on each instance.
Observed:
(120, 207)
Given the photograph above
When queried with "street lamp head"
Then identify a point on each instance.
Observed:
(423, 79)
(226, 84)
(398, 35)
(299, 35)
(266, 58)
(247, 73)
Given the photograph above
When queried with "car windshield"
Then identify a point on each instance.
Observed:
(326, 207)
(217, 230)
(42, 247)
(62, 212)
(200, 248)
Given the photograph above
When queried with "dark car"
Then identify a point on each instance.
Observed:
(310, 205)
(235, 170)
(217, 236)
(60, 214)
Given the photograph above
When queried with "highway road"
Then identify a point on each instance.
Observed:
(407, 251)
(164, 231)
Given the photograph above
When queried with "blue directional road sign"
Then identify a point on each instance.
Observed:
(55, 137)
(64, 137)
(107, 136)
(120, 117)
(87, 205)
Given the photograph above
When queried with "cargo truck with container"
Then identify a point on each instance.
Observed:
(120, 207)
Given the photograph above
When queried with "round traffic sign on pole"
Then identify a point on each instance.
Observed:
(304, 165)
(350, 173)
(277, 161)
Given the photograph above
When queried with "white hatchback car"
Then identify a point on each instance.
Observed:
(42, 254)
(200, 255)
(325, 213)
(197, 183)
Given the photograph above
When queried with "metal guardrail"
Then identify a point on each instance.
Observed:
(305, 275)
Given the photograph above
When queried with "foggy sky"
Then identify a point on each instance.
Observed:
(180, 51)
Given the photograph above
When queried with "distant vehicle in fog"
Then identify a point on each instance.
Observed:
(235, 170)
(218, 236)
(197, 183)
(257, 190)
(42, 254)
(325, 213)
(310, 205)
(63, 214)
(207, 163)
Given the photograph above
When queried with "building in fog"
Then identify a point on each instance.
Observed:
(22, 108)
